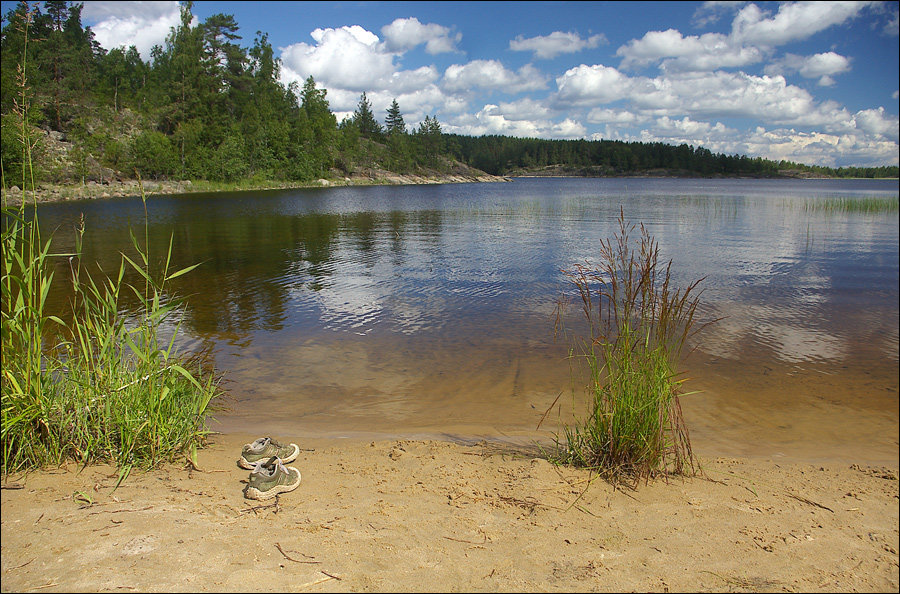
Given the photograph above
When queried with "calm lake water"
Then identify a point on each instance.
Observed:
(428, 311)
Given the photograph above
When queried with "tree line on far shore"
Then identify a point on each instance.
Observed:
(204, 107)
(503, 155)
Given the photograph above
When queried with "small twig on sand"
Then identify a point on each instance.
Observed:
(280, 550)
(528, 504)
(113, 525)
(256, 508)
(50, 585)
(805, 500)
(484, 539)
(587, 511)
(730, 580)
(320, 580)
(116, 511)
(19, 566)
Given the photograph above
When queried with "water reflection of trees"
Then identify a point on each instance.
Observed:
(254, 264)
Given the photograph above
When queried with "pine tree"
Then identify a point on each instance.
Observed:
(321, 128)
(365, 120)
(394, 120)
(58, 11)
(431, 139)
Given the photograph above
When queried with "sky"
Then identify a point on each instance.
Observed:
(809, 82)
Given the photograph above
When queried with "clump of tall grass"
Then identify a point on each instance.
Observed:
(637, 326)
(867, 205)
(105, 386)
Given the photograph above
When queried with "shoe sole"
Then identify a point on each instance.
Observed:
(244, 463)
(254, 493)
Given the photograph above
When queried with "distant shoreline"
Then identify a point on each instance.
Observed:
(50, 193)
(675, 174)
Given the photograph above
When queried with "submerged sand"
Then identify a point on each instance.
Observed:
(398, 515)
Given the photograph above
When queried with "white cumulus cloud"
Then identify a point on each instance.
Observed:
(524, 109)
(602, 115)
(794, 21)
(875, 121)
(704, 52)
(586, 85)
(405, 34)
(711, 12)
(491, 120)
(724, 94)
(822, 66)
(686, 128)
(348, 58)
(754, 34)
(549, 46)
(123, 24)
(491, 74)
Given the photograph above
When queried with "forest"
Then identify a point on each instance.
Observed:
(205, 107)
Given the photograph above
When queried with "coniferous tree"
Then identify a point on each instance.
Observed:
(365, 120)
(58, 11)
(394, 120)
(321, 126)
(430, 139)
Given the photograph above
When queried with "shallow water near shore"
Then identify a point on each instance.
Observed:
(428, 311)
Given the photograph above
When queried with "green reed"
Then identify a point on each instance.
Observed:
(105, 386)
(637, 326)
(868, 205)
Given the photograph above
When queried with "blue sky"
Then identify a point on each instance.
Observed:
(812, 82)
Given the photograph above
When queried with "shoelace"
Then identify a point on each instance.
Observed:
(259, 467)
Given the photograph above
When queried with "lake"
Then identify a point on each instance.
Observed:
(428, 311)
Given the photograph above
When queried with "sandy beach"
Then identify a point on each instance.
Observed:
(397, 515)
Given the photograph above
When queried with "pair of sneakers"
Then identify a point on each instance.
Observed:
(267, 458)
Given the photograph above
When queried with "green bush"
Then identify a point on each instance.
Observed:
(153, 155)
(230, 160)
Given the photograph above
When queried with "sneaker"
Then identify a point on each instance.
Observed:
(264, 448)
(270, 478)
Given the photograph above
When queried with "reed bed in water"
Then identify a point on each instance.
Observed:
(637, 326)
(867, 205)
(105, 386)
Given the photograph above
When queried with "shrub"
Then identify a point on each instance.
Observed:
(230, 159)
(154, 155)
